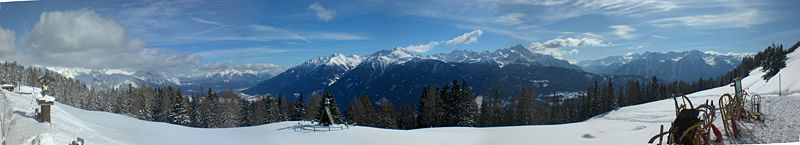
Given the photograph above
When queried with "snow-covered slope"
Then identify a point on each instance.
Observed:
(627, 125)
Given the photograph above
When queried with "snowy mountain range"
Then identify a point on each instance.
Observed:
(399, 75)
(217, 76)
(686, 65)
(626, 125)
(503, 57)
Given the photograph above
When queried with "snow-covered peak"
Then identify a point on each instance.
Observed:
(73, 72)
(349, 62)
(502, 57)
(340, 60)
(231, 69)
(392, 56)
(734, 54)
(713, 57)
(459, 56)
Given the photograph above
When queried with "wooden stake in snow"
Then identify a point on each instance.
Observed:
(45, 103)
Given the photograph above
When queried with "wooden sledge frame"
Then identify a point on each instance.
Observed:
(701, 131)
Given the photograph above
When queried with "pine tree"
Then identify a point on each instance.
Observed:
(652, 90)
(608, 95)
(195, 112)
(619, 99)
(634, 95)
(458, 105)
(260, 111)
(312, 106)
(428, 107)
(328, 101)
(775, 60)
(361, 111)
(470, 112)
(229, 110)
(283, 109)
(299, 108)
(211, 112)
(137, 102)
(273, 111)
(387, 115)
(524, 103)
(247, 113)
(165, 104)
(180, 114)
(146, 94)
(490, 108)
(407, 118)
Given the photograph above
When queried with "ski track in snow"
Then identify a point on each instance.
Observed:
(778, 127)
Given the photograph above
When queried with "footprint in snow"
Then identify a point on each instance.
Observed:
(587, 136)
(639, 127)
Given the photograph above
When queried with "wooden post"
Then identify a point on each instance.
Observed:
(44, 114)
(660, 139)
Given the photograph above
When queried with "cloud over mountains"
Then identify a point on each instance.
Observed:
(81, 38)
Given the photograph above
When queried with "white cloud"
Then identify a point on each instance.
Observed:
(591, 35)
(204, 21)
(535, 2)
(659, 36)
(735, 19)
(466, 38)
(280, 32)
(334, 36)
(574, 42)
(7, 41)
(239, 52)
(635, 48)
(623, 31)
(146, 15)
(521, 35)
(322, 13)
(265, 33)
(628, 7)
(511, 19)
(554, 47)
(421, 48)
(635, 8)
(81, 38)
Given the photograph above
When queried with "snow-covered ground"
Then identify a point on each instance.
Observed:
(627, 125)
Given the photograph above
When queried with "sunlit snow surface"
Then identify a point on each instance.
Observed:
(627, 125)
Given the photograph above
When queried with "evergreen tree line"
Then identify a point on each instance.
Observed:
(454, 105)
(772, 58)
(216, 109)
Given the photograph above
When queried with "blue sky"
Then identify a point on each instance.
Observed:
(166, 34)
